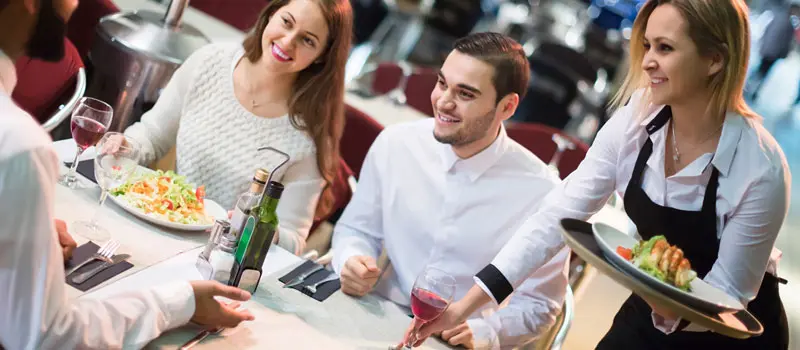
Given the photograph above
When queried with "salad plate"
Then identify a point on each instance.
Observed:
(578, 235)
(695, 292)
(167, 199)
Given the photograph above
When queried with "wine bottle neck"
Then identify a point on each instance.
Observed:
(268, 207)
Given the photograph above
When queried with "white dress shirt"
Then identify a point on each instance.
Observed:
(36, 313)
(752, 200)
(428, 207)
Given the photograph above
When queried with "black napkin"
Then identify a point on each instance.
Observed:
(80, 255)
(323, 291)
(85, 168)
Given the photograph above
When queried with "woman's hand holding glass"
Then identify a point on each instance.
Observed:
(114, 163)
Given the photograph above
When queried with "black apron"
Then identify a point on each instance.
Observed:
(695, 232)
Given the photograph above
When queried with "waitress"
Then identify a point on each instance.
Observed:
(692, 162)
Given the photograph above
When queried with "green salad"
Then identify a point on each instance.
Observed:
(165, 195)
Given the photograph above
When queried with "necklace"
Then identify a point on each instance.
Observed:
(253, 103)
(676, 155)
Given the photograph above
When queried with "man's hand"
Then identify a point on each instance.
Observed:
(359, 275)
(460, 335)
(212, 313)
(64, 239)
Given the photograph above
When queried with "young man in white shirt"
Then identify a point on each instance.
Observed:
(36, 313)
(448, 192)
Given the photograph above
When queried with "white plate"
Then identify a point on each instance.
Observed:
(703, 296)
(214, 210)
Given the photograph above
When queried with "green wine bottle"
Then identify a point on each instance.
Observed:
(256, 239)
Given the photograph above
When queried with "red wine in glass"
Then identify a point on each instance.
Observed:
(86, 132)
(432, 293)
(426, 305)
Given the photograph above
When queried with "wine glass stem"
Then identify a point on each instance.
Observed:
(412, 338)
(74, 166)
(103, 196)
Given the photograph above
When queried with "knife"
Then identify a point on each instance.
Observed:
(302, 277)
(199, 337)
(85, 276)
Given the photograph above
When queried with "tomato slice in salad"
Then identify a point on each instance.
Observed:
(200, 193)
(626, 253)
(169, 204)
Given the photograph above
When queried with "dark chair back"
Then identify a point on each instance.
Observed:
(360, 132)
(538, 139)
(43, 86)
(418, 89)
(555, 73)
(83, 23)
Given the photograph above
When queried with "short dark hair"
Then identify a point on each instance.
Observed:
(511, 68)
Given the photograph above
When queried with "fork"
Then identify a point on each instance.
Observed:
(103, 254)
(312, 288)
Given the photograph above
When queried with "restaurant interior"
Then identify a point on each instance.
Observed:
(124, 52)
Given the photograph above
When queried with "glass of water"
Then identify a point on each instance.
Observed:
(116, 159)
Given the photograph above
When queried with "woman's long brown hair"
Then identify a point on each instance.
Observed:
(316, 104)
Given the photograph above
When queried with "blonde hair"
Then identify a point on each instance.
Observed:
(716, 27)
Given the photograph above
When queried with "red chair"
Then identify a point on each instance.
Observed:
(538, 138)
(386, 77)
(342, 188)
(43, 87)
(359, 133)
(241, 14)
(83, 23)
(418, 89)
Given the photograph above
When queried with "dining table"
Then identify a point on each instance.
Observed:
(284, 317)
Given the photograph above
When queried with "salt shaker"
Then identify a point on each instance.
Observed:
(222, 258)
(220, 228)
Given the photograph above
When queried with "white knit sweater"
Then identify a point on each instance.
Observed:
(216, 140)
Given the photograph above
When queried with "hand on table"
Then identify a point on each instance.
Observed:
(359, 275)
(213, 313)
(64, 239)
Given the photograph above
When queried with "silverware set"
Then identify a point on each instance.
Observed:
(311, 288)
(106, 254)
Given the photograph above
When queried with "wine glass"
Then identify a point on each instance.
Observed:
(91, 118)
(432, 293)
(115, 161)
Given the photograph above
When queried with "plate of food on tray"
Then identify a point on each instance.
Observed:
(663, 267)
(167, 199)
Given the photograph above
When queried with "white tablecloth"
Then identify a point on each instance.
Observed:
(285, 318)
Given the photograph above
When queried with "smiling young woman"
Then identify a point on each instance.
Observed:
(282, 87)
